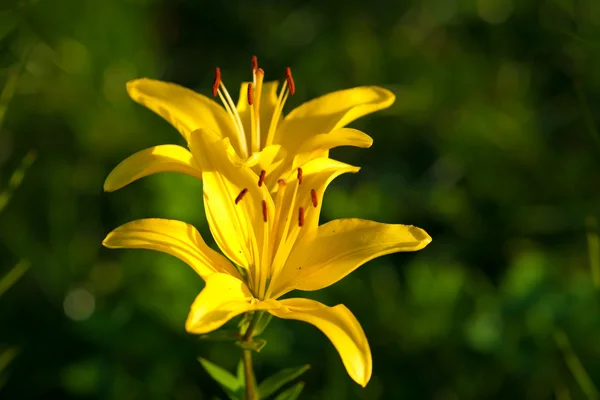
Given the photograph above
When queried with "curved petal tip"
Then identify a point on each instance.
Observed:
(421, 236)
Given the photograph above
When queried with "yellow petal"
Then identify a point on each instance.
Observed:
(340, 326)
(268, 100)
(222, 298)
(341, 246)
(331, 111)
(317, 175)
(238, 229)
(185, 109)
(314, 146)
(172, 237)
(267, 159)
(336, 138)
(165, 158)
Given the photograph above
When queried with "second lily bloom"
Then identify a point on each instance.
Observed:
(263, 139)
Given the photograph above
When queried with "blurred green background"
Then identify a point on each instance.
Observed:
(491, 146)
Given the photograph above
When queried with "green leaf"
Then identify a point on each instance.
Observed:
(281, 378)
(13, 276)
(17, 177)
(230, 384)
(7, 93)
(291, 393)
(219, 336)
(255, 344)
(241, 376)
(262, 324)
(245, 322)
(240, 373)
(574, 363)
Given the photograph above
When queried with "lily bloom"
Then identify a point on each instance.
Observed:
(276, 243)
(261, 136)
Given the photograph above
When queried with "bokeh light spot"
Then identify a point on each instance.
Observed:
(299, 28)
(494, 11)
(73, 57)
(79, 304)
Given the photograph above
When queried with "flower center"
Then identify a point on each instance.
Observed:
(257, 138)
(283, 232)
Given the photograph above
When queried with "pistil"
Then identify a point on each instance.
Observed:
(260, 76)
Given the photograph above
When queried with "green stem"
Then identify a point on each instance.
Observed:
(594, 249)
(247, 357)
(574, 364)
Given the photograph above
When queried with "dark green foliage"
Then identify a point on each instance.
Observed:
(492, 147)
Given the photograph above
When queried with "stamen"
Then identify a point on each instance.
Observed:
(254, 63)
(250, 93)
(283, 94)
(261, 178)
(290, 80)
(277, 220)
(241, 195)
(264, 207)
(313, 195)
(301, 216)
(300, 175)
(231, 109)
(217, 81)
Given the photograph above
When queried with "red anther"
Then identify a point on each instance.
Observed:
(290, 80)
(299, 175)
(313, 195)
(254, 63)
(264, 206)
(250, 93)
(217, 81)
(301, 216)
(282, 182)
(261, 178)
(241, 195)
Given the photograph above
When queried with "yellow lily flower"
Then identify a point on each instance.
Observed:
(275, 239)
(262, 138)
